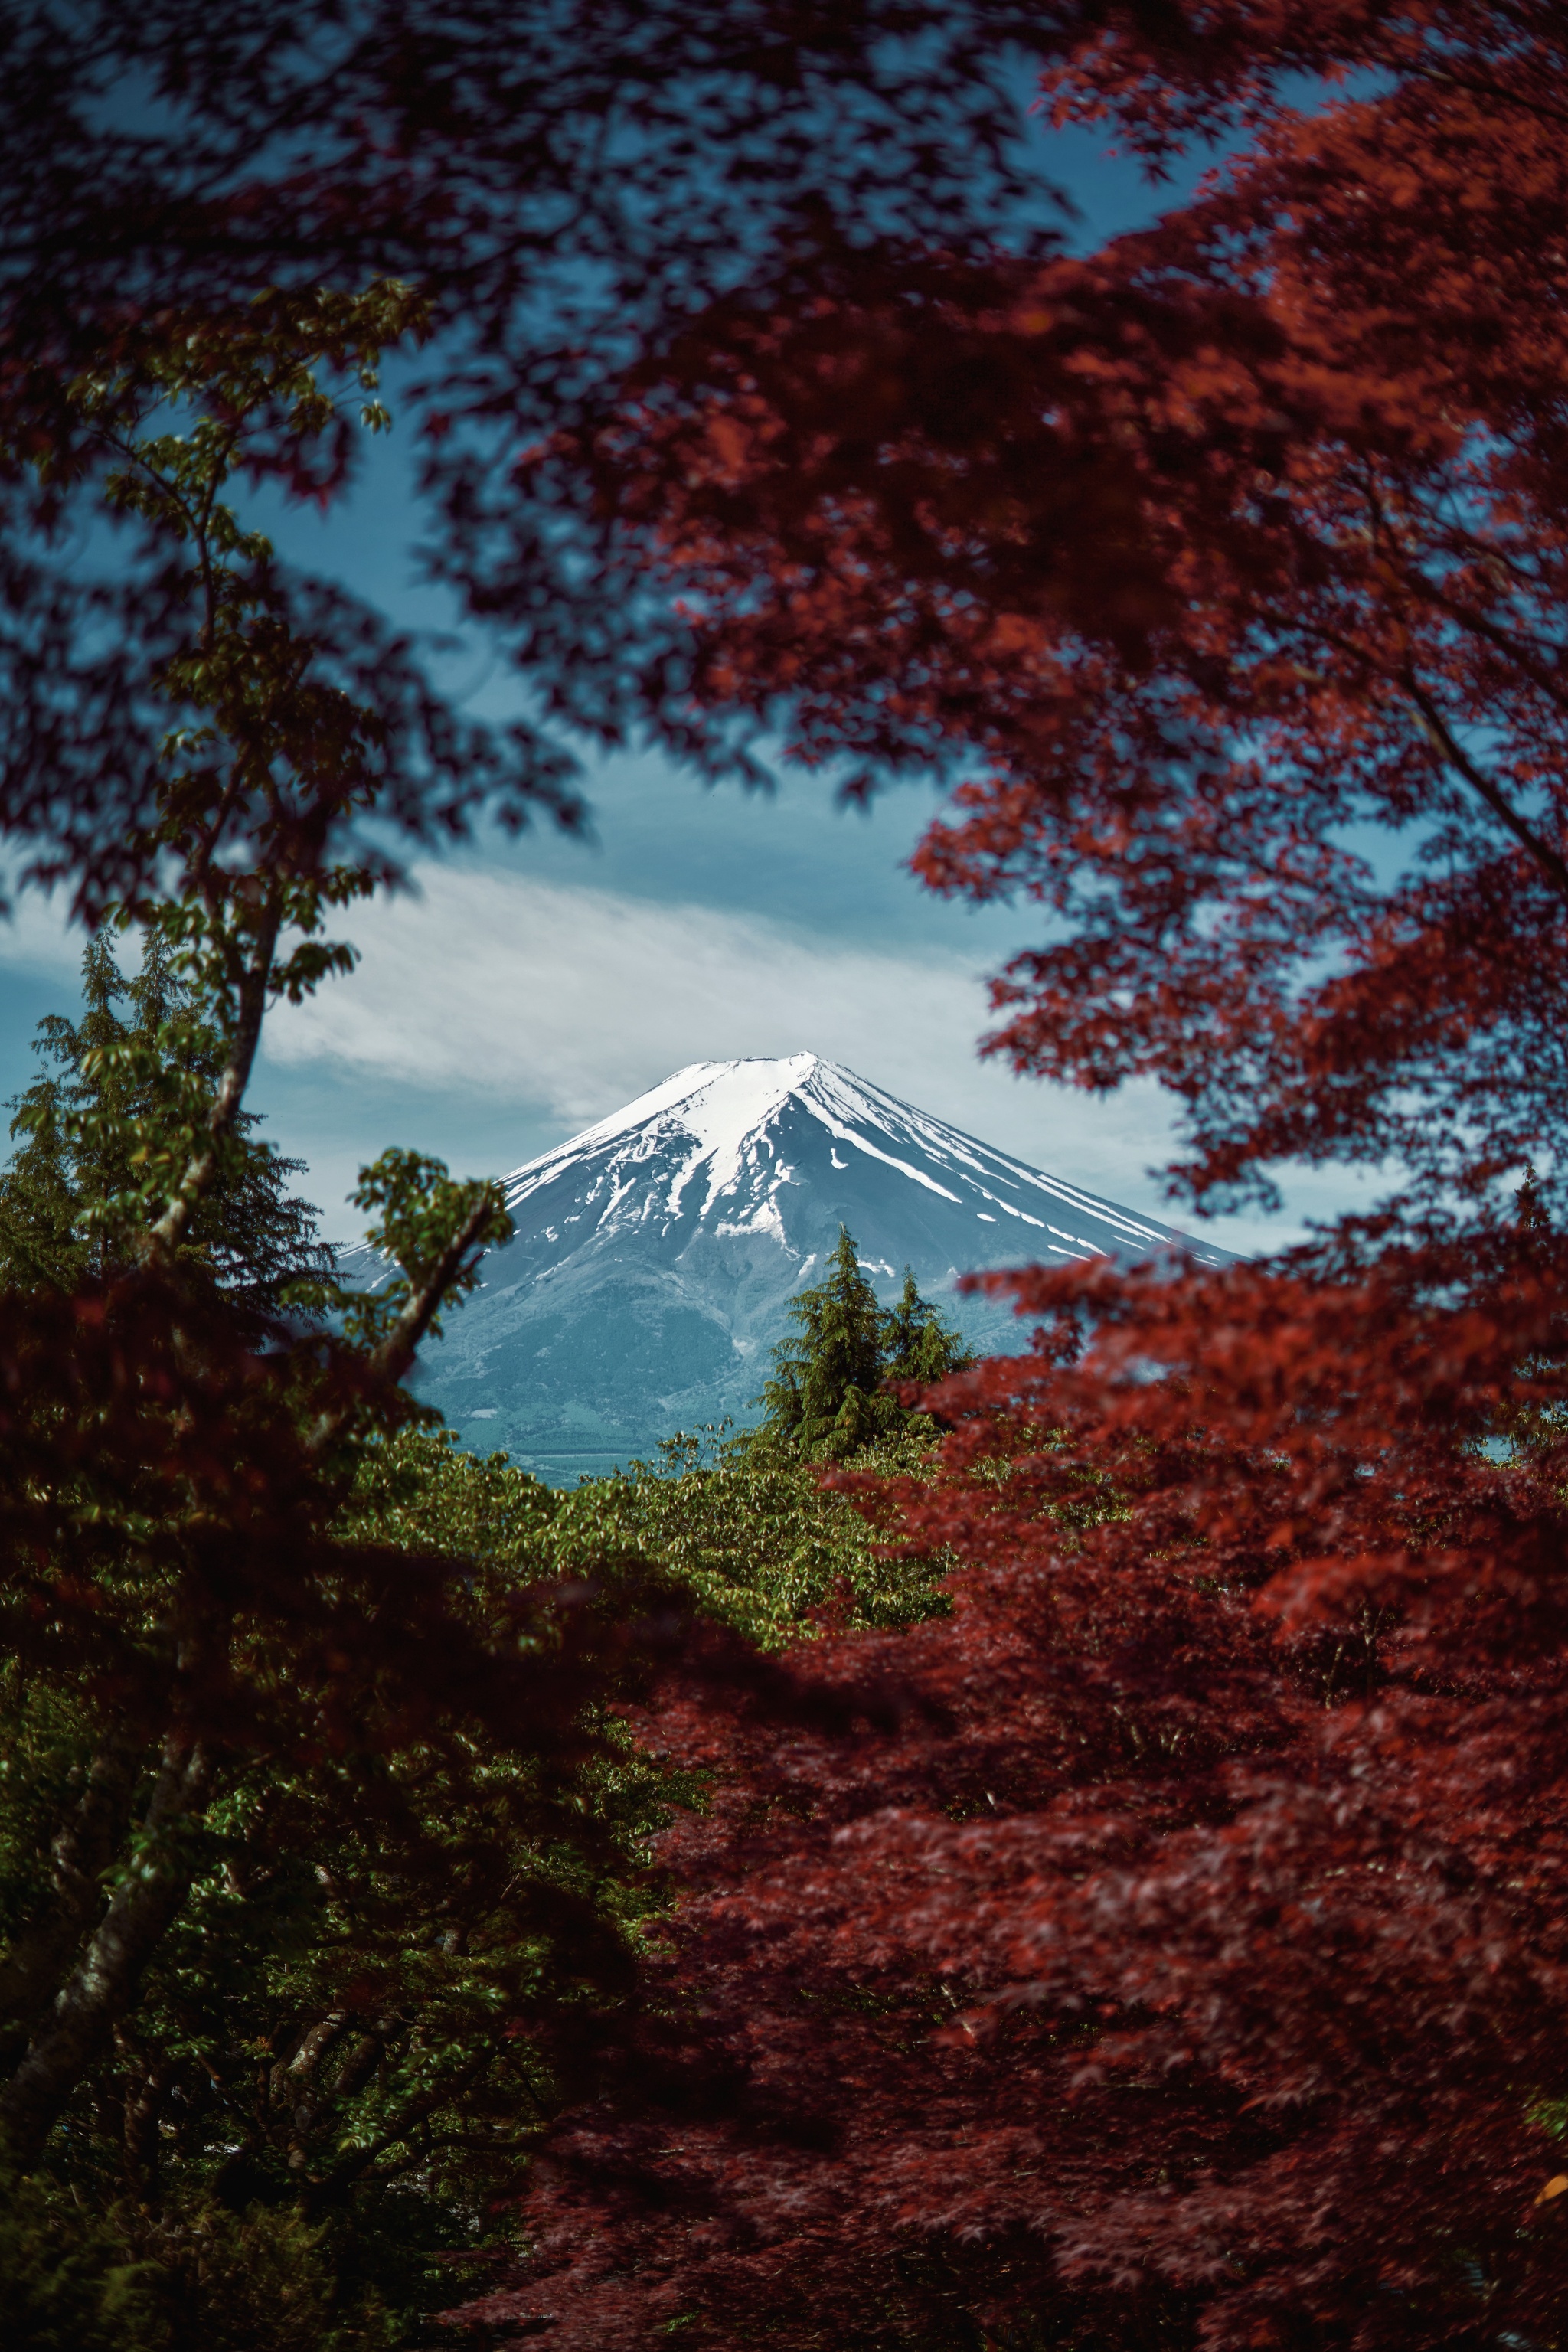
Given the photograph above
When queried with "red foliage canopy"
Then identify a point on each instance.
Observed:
(1190, 1966)
(1192, 1969)
(1223, 566)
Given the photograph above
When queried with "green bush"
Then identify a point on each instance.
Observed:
(741, 1523)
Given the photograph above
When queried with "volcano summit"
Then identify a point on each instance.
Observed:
(655, 1254)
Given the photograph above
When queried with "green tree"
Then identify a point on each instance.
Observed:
(106, 1085)
(315, 1845)
(748, 1532)
(387, 1967)
(828, 1397)
(919, 1343)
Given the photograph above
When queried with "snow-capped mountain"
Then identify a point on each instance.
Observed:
(655, 1254)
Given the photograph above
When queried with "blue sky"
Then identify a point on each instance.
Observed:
(526, 988)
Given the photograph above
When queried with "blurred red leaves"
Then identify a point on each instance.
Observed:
(1193, 1969)
(1190, 1965)
(1223, 569)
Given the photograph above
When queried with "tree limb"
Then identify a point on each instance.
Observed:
(387, 1362)
(360, 2160)
(1447, 746)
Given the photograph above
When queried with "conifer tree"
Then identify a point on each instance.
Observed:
(919, 1343)
(823, 1394)
(829, 1393)
(70, 1195)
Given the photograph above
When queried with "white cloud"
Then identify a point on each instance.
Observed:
(576, 999)
(492, 989)
(36, 936)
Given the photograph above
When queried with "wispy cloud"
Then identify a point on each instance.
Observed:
(574, 998)
(36, 938)
(569, 1000)
(492, 1000)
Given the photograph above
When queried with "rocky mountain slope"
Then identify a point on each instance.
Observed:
(655, 1254)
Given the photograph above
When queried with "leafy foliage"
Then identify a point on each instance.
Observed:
(318, 1845)
(1166, 1947)
(367, 1999)
(747, 1530)
(1222, 567)
(314, 1853)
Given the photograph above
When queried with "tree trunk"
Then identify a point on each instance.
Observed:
(31, 1970)
(104, 1982)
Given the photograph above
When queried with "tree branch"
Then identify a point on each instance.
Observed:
(1503, 640)
(387, 1362)
(1447, 746)
(361, 2159)
(1448, 749)
(31, 1970)
(396, 1351)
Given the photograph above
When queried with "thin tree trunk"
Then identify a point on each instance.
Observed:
(105, 1980)
(31, 1970)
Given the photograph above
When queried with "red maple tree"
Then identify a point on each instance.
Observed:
(1189, 1965)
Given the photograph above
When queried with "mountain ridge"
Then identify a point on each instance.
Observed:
(657, 1252)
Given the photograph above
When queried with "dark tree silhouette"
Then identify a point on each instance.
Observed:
(112, 1082)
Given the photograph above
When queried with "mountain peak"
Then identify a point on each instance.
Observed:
(720, 1098)
(657, 1252)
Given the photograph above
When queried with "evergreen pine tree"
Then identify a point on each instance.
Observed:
(830, 1392)
(111, 1085)
(918, 1341)
(825, 1390)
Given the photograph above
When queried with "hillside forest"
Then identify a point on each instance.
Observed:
(1065, 1850)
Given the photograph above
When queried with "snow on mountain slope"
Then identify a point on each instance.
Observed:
(655, 1252)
